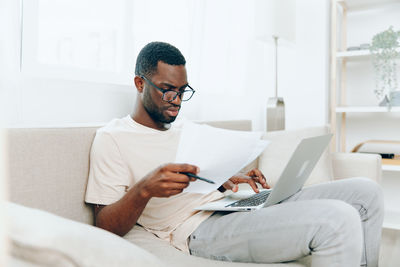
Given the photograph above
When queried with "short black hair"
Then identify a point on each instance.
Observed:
(147, 60)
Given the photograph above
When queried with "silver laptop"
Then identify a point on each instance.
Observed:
(292, 179)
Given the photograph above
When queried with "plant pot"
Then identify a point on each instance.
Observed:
(394, 100)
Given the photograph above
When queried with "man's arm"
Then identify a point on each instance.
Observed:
(165, 181)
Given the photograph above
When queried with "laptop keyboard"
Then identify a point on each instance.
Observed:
(254, 200)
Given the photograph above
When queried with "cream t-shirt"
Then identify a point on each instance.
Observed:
(123, 152)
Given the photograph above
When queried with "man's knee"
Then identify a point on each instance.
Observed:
(339, 225)
(339, 235)
(369, 190)
(370, 186)
(340, 215)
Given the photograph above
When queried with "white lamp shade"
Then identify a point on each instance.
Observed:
(276, 18)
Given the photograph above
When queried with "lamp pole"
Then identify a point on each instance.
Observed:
(276, 64)
(275, 105)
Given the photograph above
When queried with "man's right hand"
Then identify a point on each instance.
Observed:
(166, 181)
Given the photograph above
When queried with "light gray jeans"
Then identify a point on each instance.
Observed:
(337, 223)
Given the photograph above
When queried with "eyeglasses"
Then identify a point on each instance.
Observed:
(170, 95)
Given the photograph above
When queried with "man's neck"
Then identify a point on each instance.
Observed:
(141, 116)
(149, 122)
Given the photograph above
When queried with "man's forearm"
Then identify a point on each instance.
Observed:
(121, 216)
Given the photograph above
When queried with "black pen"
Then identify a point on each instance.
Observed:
(197, 177)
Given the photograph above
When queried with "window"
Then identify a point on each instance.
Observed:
(83, 40)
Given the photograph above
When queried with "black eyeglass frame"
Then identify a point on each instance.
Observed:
(164, 91)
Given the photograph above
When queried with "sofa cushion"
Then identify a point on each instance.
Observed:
(49, 169)
(45, 239)
(283, 143)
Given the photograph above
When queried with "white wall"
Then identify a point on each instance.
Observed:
(6, 51)
(240, 92)
(308, 97)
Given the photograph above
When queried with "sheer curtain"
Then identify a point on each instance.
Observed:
(78, 44)
(9, 69)
(9, 59)
(225, 63)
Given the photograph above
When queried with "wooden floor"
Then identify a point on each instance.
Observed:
(390, 248)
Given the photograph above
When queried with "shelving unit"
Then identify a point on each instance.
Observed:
(339, 59)
(341, 108)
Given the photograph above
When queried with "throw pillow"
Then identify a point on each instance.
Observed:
(45, 239)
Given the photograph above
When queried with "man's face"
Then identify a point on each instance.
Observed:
(167, 77)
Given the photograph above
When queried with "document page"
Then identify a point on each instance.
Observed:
(219, 153)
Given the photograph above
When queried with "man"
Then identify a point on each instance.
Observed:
(130, 182)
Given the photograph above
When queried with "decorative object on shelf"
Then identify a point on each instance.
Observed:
(356, 48)
(384, 55)
(364, 46)
(394, 100)
(276, 19)
(353, 48)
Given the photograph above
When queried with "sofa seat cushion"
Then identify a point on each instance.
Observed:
(283, 143)
(172, 256)
(43, 239)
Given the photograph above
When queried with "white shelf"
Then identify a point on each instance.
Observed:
(392, 220)
(364, 4)
(358, 109)
(353, 54)
(391, 168)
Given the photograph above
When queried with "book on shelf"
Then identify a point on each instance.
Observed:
(389, 150)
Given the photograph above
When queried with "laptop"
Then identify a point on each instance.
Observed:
(292, 179)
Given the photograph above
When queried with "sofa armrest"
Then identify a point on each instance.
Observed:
(347, 165)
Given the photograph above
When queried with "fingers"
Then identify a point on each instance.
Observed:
(169, 189)
(230, 185)
(180, 167)
(245, 179)
(175, 186)
(174, 192)
(166, 181)
(253, 185)
(259, 177)
(172, 170)
(177, 177)
(192, 179)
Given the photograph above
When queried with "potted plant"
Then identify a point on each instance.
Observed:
(385, 51)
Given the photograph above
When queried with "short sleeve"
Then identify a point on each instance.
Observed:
(109, 177)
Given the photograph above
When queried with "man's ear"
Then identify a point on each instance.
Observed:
(139, 83)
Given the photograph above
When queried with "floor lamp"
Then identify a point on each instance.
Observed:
(276, 20)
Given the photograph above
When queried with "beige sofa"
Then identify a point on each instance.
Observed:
(49, 169)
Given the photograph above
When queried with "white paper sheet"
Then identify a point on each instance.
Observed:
(219, 153)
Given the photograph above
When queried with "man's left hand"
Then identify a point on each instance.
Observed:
(252, 177)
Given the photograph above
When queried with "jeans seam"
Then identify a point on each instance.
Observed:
(364, 219)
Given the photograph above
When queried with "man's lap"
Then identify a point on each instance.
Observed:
(279, 227)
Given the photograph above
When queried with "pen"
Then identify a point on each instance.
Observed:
(197, 177)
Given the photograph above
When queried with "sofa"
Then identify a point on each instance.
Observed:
(52, 226)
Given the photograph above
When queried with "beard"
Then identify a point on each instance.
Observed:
(155, 112)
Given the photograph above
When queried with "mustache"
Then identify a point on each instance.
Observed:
(173, 105)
